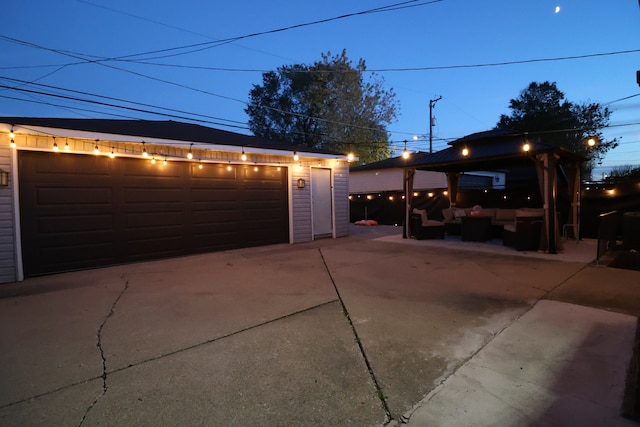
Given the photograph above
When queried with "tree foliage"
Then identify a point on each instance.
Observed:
(542, 111)
(623, 172)
(328, 105)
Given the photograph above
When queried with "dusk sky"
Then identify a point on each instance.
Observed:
(477, 55)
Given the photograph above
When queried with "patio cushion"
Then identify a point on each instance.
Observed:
(505, 214)
(459, 212)
(423, 216)
(529, 212)
(447, 214)
(490, 212)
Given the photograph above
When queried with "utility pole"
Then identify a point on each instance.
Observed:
(432, 104)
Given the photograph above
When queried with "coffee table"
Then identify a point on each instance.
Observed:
(476, 228)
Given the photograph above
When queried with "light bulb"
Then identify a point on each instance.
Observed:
(405, 154)
(55, 146)
(96, 150)
(295, 156)
(66, 146)
(465, 151)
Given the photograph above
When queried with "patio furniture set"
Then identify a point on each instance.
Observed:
(519, 228)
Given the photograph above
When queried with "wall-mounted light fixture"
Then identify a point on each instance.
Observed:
(301, 183)
(4, 178)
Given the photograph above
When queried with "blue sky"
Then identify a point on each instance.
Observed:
(434, 37)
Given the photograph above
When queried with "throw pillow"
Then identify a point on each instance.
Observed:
(459, 213)
(423, 215)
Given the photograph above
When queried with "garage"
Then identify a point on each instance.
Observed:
(87, 193)
(83, 211)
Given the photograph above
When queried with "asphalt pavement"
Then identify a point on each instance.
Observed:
(364, 331)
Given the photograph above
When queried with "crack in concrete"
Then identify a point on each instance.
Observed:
(106, 372)
(105, 385)
(221, 337)
(372, 374)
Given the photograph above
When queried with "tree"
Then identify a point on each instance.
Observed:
(328, 105)
(623, 172)
(542, 111)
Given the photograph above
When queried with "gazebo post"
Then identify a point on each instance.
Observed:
(453, 180)
(407, 187)
(551, 190)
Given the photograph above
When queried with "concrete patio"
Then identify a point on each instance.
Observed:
(366, 330)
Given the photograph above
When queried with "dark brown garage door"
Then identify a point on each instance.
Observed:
(83, 211)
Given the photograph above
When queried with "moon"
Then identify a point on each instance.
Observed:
(557, 9)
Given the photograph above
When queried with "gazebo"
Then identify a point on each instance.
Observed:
(502, 149)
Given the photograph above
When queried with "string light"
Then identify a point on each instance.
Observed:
(11, 136)
(350, 157)
(97, 150)
(405, 153)
(465, 151)
(526, 147)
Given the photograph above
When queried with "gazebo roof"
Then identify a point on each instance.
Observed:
(496, 149)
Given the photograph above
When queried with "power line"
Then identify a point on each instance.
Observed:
(405, 69)
(173, 110)
(197, 47)
(140, 110)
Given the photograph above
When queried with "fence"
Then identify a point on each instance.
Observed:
(607, 233)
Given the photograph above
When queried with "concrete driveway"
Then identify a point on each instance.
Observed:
(351, 331)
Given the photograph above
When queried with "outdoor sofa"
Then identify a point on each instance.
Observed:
(421, 227)
(452, 217)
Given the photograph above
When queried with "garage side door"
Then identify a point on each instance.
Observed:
(83, 211)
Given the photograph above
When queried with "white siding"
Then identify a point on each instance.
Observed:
(341, 199)
(8, 271)
(391, 180)
(301, 230)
